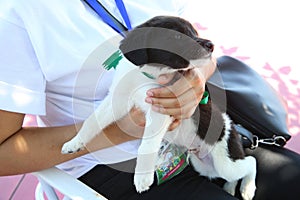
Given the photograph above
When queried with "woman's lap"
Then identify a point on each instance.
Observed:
(278, 173)
(115, 184)
(278, 177)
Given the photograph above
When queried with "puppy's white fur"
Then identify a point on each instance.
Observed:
(211, 161)
(128, 78)
(215, 162)
(108, 112)
(129, 88)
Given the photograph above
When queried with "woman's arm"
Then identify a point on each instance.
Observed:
(28, 149)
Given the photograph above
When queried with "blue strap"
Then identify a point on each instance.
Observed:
(109, 18)
(123, 12)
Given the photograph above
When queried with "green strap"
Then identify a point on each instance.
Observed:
(205, 97)
(148, 75)
(113, 61)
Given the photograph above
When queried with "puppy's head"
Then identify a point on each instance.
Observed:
(166, 41)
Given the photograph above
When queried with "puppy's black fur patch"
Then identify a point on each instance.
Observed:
(163, 40)
(211, 123)
(211, 129)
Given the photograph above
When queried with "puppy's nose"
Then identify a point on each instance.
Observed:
(209, 46)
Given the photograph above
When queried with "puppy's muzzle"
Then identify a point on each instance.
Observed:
(209, 46)
(206, 44)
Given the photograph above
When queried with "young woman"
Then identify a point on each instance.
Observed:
(46, 71)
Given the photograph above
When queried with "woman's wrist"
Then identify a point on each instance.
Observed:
(109, 137)
(208, 70)
(115, 135)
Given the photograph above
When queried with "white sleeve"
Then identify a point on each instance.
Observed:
(22, 84)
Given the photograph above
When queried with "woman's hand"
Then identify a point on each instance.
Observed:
(182, 98)
(133, 124)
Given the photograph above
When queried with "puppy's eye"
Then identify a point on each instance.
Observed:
(178, 36)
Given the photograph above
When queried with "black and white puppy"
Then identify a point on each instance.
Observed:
(165, 45)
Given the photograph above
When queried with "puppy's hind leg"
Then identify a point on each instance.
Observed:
(248, 186)
(244, 169)
(234, 169)
(103, 116)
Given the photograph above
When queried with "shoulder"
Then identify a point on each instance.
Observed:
(18, 11)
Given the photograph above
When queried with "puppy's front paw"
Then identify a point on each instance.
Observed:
(72, 146)
(248, 190)
(143, 182)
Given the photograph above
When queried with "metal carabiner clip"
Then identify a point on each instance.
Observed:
(254, 145)
(279, 141)
(276, 140)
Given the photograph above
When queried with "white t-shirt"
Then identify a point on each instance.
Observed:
(45, 65)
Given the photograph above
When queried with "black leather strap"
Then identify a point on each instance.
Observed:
(249, 100)
(246, 136)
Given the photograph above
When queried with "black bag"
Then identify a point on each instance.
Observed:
(251, 103)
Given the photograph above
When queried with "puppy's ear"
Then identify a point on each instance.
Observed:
(133, 47)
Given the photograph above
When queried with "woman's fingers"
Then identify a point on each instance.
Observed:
(174, 124)
(179, 99)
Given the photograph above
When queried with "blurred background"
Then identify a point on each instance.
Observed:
(265, 35)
